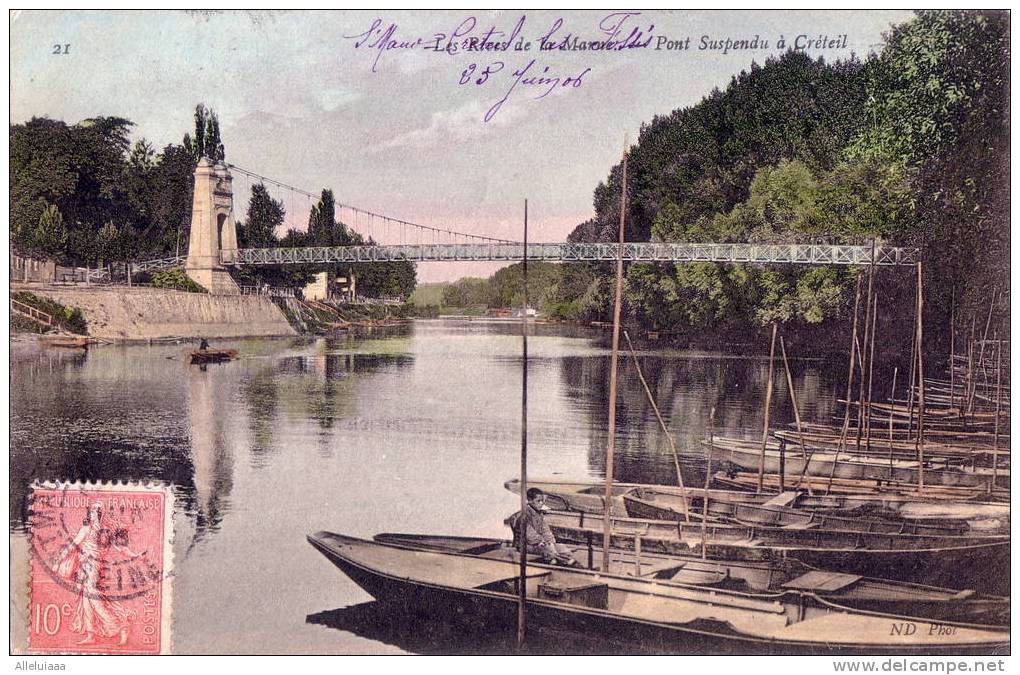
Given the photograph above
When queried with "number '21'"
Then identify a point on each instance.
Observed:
(61, 49)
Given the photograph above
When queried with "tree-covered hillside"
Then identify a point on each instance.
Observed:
(909, 147)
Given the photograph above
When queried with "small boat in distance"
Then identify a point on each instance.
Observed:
(66, 341)
(203, 356)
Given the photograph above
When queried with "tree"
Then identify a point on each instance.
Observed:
(323, 228)
(49, 236)
(265, 214)
(940, 105)
(206, 141)
(142, 156)
(200, 126)
(213, 143)
(167, 195)
(466, 292)
(109, 244)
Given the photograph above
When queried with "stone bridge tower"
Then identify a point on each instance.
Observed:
(213, 231)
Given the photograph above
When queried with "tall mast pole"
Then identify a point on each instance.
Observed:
(607, 519)
(920, 381)
(522, 537)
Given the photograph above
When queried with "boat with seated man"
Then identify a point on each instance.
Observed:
(769, 576)
(644, 614)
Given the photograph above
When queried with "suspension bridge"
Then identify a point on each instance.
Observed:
(213, 244)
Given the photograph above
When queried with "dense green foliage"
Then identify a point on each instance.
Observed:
(83, 195)
(70, 319)
(909, 147)
(176, 280)
(258, 230)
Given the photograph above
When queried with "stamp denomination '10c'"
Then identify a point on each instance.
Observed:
(100, 569)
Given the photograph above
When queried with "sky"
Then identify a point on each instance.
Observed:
(418, 133)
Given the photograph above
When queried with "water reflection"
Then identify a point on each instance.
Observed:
(211, 458)
(686, 389)
(387, 623)
(411, 430)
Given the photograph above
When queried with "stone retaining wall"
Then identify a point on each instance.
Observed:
(122, 313)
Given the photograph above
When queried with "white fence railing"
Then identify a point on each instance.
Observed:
(272, 291)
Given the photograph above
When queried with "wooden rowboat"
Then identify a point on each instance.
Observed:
(853, 488)
(776, 576)
(213, 355)
(940, 560)
(858, 498)
(65, 341)
(646, 615)
(778, 512)
(747, 455)
(878, 446)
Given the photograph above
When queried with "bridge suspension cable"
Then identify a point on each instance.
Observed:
(435, 232)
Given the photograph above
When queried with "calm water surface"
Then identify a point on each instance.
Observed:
(408, 431)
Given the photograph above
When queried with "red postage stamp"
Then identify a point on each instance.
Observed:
(100, 569)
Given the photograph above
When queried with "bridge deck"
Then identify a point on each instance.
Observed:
(806, 254)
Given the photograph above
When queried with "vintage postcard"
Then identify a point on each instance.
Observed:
(501, 332)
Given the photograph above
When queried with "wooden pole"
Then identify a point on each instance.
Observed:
(768, 406)
(708, 479)
(850, 368)
(617, 303)
(920, 381)
(910, 378)
(871, 370)
(867, 337)
(782, 465)
(970, 365)
(849, 390)
(984, 339)
(892, 399)
(522, 586)
(793, 394)
(998, 411)
(952, 349)
(662, 425)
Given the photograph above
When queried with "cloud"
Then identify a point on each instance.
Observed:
(464, 122)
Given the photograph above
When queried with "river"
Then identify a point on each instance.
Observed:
(410, 430)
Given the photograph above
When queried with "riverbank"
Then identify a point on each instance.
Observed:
(120, 313)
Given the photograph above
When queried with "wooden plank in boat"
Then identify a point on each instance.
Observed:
(433, 567)
(800, 526)
(783, 499)
(818, 580)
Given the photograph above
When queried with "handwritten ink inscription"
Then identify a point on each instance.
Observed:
(497, 61)
(524, 77)
(503, 71)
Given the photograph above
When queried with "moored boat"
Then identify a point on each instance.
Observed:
(748, 455)
(772, 576)
(939, 560)
(778, 512)
(65, 341)
(823, 486)
(857, 499)
(647, 614)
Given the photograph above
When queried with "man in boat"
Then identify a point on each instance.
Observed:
(538, 534)
(204, 344)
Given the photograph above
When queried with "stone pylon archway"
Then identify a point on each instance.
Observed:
(213, 232)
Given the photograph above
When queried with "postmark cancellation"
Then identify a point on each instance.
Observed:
(100, 569)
